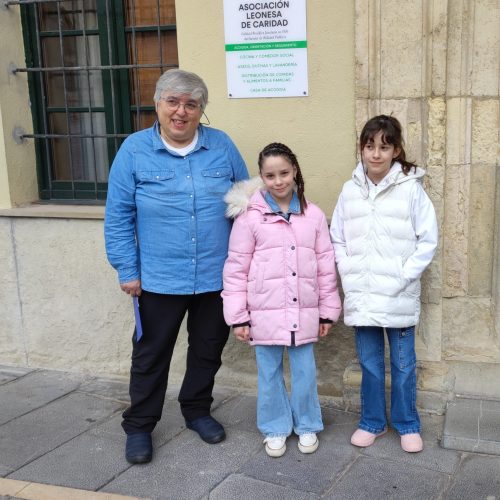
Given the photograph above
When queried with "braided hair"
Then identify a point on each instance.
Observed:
(279, 149)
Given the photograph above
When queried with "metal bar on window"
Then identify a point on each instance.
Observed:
(158, 24)
(89, 96)
(68, 122)
(74, 136)
(68, 69)
(75, 109)
(43, 98)
(145, 29)
(112, 74)
(8, 3)
(67, 32)
(136, 59)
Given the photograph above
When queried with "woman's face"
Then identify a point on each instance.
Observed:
(179, 116)
(377, 157)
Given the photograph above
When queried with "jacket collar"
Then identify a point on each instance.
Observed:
(294, 207)
(394, 177)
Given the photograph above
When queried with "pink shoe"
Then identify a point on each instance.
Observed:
(363, 439)
(412, 443)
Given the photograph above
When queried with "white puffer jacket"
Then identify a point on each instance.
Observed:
(384, 238)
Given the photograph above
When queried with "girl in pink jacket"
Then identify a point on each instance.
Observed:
(280, 289)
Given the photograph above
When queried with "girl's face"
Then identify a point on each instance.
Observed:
(278, 176)
(377, 157)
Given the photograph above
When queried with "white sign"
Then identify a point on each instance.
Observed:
(266, 48)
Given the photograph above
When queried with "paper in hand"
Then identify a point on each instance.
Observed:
(138, 324)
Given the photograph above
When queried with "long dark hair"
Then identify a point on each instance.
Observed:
(391, 134)
(278, 149)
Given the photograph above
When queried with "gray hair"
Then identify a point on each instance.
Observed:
(182, 82)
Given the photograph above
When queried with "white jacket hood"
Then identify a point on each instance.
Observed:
(238, 197)
(395, 176)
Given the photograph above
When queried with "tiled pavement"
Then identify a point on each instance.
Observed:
(63, 430)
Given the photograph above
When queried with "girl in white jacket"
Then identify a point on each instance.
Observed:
(384, 231)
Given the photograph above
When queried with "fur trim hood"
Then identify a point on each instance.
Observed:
(238, 197)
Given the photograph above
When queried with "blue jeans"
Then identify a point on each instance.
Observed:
(370, 349)
(278, 414)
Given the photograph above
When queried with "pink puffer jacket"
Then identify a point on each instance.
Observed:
(280, 276)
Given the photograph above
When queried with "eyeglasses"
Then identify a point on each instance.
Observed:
(173, 104)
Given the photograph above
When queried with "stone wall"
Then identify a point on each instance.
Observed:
(434, 64)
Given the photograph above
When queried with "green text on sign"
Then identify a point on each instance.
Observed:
(301, 44)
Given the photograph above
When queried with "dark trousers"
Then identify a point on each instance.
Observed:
(161, 318)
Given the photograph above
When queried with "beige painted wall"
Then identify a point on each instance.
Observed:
(18, 182)
(318, 128)
(4, 177)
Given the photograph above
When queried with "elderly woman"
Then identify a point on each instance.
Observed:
(167, 237)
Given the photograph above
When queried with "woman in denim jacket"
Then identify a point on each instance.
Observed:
(167, 237)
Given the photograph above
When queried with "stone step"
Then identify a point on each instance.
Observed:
(472, 425)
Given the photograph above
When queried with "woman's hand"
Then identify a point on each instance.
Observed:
(133, 288)
(242, 333)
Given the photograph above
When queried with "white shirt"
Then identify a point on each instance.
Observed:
(186, 149)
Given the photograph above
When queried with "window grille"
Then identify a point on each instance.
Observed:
(92, 67)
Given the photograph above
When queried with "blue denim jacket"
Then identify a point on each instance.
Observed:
(164, 220)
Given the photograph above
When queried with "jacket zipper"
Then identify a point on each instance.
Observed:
(293, 338)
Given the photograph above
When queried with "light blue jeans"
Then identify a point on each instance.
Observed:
(370, 348)
(277, 413)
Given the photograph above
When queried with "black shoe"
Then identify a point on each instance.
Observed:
(208, 428)
(139, 448)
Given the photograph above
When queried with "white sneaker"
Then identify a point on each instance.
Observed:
(275, 446)
(308, 442)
